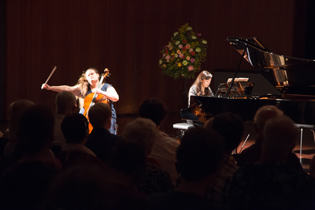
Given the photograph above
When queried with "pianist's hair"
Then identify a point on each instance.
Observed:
(203, 75)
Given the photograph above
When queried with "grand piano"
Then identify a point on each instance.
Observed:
(294, 78)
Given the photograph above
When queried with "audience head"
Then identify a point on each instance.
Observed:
(199, 154)
(75, 128)
(141, 131)
(279, 138)
(263, 114)
(80, 187)
(36, 129)
(128, 161)
(16, 109)
(100, 115)
(230, 126)
(154, 110)
(65, 103)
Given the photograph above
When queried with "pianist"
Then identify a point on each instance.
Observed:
(201, 86)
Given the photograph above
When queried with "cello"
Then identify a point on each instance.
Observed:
(92, 98)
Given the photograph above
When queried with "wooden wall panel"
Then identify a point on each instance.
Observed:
(127, 36)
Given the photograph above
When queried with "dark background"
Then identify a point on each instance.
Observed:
(127, 36)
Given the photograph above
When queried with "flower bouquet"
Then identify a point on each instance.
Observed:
(183, 55)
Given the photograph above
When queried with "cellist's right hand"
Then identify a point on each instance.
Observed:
(45, 86)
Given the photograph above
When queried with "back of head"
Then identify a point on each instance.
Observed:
(199, 154)
(99, 114)
(263, 114)
(65, 102)
(154, 110)
(279, 134)
(91, 189)
(230, 126)
(141, 131)
(74, 128)
(36, 129)
(16, 110)
(128, 160)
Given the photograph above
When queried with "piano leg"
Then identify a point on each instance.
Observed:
(301, 127)
(301, 143)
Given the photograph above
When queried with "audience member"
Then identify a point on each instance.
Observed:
(23, 185)
(4, 137)
(100, 140)
(65, 104)
(143, 132)
(252, 154)
(164, 148)
(230, 127)
(199, 156)
(16, 109)
(127, 164)
(75, 128)
(82, 187)
(271, 183)
(5, 134)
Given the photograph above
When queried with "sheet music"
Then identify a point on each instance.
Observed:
(239, 79)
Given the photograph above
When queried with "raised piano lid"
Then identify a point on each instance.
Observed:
(291, 76)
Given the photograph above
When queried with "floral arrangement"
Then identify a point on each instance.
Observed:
(183, 55)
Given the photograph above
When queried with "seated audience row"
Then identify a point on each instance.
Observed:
(271, 182)
(144, 168)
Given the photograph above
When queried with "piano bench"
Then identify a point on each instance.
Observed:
(303, 127)
(182, 127)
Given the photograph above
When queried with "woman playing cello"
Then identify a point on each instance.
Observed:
(89, 82)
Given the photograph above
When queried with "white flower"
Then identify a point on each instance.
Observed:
(160, 61)
(177, 42)
(198, 49)
(176, 33)
(193, 37)
(185, 63)
(188, 28)
(204, 42)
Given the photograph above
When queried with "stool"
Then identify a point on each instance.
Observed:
(182, 127)
(302, 127)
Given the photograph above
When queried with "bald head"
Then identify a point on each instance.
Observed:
(263, 114)
(141, 131)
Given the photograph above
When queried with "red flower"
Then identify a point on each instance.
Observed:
(184, 41)
(184, 49)
(192, 53)
(166, 51)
